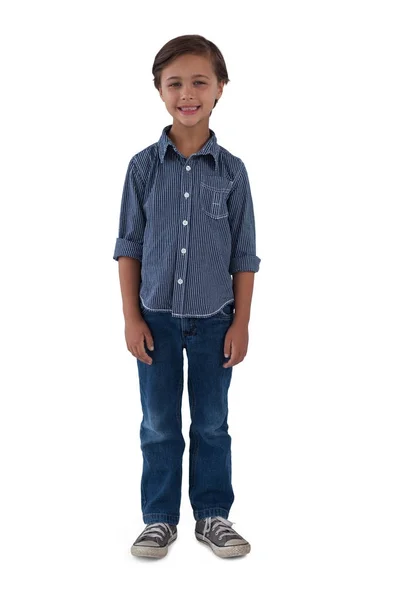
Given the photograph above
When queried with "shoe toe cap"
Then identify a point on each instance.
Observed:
(236, 542)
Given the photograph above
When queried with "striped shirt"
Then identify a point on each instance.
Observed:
(190, 222)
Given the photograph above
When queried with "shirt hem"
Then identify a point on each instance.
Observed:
(186, 316)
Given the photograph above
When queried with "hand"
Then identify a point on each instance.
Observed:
(136, 333)
(236, 343)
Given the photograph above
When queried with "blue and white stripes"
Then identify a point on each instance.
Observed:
(190, 221)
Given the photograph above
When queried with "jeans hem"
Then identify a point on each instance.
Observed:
(210, 512)
(160, 518)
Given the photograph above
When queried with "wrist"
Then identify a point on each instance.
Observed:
(133, 314)
(242, 319)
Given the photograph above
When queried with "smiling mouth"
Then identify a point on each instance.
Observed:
(189, 111)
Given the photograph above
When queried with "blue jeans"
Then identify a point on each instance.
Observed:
(162, 443)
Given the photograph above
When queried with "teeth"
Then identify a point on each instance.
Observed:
(189, 108)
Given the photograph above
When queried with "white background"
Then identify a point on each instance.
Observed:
(312, 108)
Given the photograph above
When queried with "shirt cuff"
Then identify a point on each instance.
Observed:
(129, 248)
(244, 263)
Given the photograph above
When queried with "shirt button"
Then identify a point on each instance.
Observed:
(185, 222)
(186, 194)
(188, 168)
(183, 250)
(180, 281)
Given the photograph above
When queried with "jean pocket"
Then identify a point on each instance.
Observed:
(143, 309)
(226, 311)
(214, 192)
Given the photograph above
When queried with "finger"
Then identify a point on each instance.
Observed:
(149, 341)
(231, 361)
(142, 354)
(234, 354)
(227, 348)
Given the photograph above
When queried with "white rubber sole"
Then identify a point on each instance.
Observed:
(152, 551)
(227, 551)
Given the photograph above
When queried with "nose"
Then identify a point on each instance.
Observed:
(186, 91)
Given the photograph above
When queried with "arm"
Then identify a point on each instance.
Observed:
(244, 261)
(243, 283)
(129, 279)
(129, 244)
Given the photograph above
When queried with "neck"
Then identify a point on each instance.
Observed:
(189, 139)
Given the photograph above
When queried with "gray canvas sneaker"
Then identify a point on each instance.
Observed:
(154, 540)
(224, 541)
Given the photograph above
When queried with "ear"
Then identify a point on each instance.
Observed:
(220, 89)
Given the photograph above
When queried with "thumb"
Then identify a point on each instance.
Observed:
(227, 347)
(149, 341)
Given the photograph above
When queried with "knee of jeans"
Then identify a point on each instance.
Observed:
(210, 430)
(158, 430)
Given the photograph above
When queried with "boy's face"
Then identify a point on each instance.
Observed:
(190, 81)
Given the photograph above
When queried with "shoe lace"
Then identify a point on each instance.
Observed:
(219, 525)
(156, 530)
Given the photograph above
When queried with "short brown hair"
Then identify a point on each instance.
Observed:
(189, 44)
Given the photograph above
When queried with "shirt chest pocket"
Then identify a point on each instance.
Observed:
(214, 192)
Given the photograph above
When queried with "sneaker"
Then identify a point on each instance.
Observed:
(154, 540)
(224, 541)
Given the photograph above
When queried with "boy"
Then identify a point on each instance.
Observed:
(187, 258)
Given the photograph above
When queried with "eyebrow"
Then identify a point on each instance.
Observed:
(197, 75)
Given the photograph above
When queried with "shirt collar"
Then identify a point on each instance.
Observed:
(210, 147)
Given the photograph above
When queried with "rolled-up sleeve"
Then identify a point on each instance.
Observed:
(132, 220)
(242, 225)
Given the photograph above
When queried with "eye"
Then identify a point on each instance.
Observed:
(177, 83)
